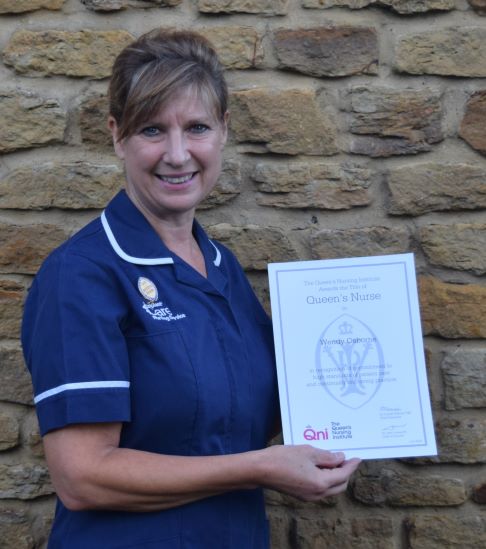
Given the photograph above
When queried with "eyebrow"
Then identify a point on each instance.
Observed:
(203, 119)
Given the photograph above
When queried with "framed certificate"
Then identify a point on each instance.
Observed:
(350, 359)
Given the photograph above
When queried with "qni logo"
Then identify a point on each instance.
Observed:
(350, 360)
(312, 434)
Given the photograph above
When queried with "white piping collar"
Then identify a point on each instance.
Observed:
(142, 260)
(217, 259)
(130, 258)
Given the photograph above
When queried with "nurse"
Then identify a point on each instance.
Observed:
(151, 358)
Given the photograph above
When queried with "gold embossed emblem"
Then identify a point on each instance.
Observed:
(148, 289)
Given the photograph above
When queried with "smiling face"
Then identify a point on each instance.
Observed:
(173, 161)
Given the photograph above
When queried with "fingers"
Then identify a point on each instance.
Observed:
(335, 490)
(334, 481)
(342, 473)
(325, 459)
(306, 472)
(330, 460)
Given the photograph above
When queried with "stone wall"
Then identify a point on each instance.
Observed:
(358, 127)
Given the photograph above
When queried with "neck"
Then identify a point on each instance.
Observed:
(180, 240)
(176, 233)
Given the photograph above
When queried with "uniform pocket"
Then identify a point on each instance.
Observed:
(164, 394)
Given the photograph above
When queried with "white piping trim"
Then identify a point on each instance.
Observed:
(82, 385)
(129, 258)
(217, 261)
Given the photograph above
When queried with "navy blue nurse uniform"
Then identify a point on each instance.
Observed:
(119, 329)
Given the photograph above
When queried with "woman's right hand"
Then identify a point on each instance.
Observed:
(305, 472)
(90, 471)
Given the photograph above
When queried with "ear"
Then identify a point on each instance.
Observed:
(117, 144)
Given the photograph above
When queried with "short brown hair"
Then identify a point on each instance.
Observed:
(152, 69)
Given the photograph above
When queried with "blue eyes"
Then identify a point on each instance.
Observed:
(199, 128)
(151, 131)
(155, 131)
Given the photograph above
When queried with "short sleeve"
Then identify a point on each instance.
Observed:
(74, 345)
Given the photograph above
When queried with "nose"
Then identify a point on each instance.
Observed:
(176, 151)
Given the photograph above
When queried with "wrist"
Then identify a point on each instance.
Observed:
(259, 469)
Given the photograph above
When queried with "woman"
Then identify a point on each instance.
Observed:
(151, 358)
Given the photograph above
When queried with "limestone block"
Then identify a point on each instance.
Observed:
(457, 51)
(416, 189)
(237, 47)
(479, 6)
(452, 310)
(479, 493)
(255, 246)
(227, 188)
(24, 247)
(464, 531)
(461, 440)
(11, 298)
(9, 431)
(464, 378)
(29, 120)
(328, 51)
(364, 532)
(279, 525)
(93, 117)
(115, 5)
(15, 384)
(326, 4)
(31, 434)
(263, 7)
(404, 7)
(386, 486)
(259, 283)
(82, 53)
(460, 246)
(417, 6)
(19, 6)
(473, 124)
(395, 122)
(282, 121)
(330, 243)
(279, 499)
(105, 5)
(44, 517)
(15, 529)
(312, 185)
(24, 481)
(70, 185)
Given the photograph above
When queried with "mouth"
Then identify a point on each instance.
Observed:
(175, 180)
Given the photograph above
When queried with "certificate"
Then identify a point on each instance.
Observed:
(350, 359)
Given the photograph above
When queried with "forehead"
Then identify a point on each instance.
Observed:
(187, 103)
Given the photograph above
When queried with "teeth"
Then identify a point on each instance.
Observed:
(175, 180)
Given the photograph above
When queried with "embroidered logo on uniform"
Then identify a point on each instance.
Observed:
(148, 289)
(156, 309)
